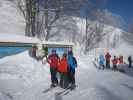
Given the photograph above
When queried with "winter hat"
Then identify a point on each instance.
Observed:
(64, 55)
(53, 51)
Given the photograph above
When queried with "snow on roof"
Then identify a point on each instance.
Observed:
(12, 38)
(48, 43)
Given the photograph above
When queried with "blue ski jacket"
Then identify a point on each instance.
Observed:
(101, 59)
(72, 63)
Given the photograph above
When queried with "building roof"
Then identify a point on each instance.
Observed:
(19, 40)
(57, 44)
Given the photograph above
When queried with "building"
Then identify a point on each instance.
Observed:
(14, 44)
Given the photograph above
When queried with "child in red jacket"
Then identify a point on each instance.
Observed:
(63, 69)
(115, 61)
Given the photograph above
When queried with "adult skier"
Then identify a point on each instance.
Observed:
(101, 61)
(115, 61)
(130, 61)
(72, 65)
(120, 61)
(53, 61)
(108, 57)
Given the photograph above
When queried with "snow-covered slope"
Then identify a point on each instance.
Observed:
(68, 28)
(10, 19)
(23, 78)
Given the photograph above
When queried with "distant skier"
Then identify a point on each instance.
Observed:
(53, 60)
(115, 61)
(120, 61)
(72, 64)
(101, 61)
(108, 57)
(63, 69)
(130, 61)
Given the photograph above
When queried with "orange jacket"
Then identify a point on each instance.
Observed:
(63, 65)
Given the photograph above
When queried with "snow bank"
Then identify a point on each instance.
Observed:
(24, 67)
(20, 72)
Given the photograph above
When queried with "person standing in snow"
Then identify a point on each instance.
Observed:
(108, 57)
(72, 65)
(101, 61)
(115, 61)
(120, 61)
(53, 60)
(63, 70)
(130, 61)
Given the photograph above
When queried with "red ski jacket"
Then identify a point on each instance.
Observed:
(114, 61)
(108, 56)
(53, 60)
(63, 65)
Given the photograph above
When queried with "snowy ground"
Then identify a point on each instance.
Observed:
(22, 79)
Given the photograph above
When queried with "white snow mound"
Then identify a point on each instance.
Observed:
(24, 67)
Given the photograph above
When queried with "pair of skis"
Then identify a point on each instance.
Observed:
(66, 91)
(48, 89)
(63, 92)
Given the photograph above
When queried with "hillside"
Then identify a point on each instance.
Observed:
(68, 28)
(11, 21)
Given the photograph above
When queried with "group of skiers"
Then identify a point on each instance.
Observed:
(65, 66)
(105, 61)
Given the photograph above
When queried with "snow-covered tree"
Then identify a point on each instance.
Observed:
(95, 33)
(107, 17)
(130, 28)
(128, 36)
(40, 15)
(28, 10)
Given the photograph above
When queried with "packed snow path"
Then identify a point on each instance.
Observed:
(92, 84)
